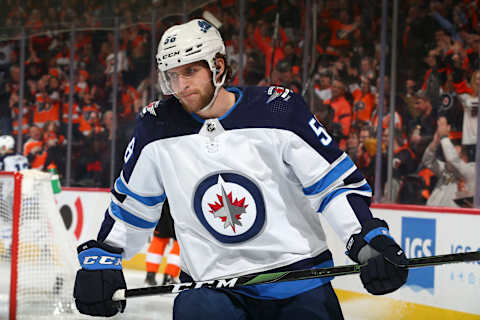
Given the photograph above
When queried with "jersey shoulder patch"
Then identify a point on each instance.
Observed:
(268, 95)
(156, 107)
(279, 94)
(150, 109)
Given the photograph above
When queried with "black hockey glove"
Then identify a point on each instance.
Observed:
(386, 264)
(101, 275)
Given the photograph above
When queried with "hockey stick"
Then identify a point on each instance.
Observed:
(123, 294)
(274, 44)
(309, 81)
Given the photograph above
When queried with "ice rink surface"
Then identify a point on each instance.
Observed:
(143, 308)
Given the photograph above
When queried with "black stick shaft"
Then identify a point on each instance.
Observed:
(288, 276)
(274, 44)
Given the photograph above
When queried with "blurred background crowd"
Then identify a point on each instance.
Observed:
(330, 51)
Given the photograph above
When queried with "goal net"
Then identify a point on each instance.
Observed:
(37, 254)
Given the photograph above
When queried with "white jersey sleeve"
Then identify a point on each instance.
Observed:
(327, 174)
(15, 162)
(324, 183)
(136, 198)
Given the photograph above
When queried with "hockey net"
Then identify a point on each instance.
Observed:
(35, 250)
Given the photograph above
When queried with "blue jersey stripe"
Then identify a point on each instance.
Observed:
(129, 218)
(335, 193)
(148, 201)
(332, 176)
(239, 95)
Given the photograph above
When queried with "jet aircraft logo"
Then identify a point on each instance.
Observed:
(230, 206)
(229, 211)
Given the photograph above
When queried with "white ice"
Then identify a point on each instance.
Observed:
(141, 308)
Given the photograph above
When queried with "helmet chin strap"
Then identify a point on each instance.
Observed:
(217, 88)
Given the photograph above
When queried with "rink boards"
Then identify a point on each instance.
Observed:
(443, 292)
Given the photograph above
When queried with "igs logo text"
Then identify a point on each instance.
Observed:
(418, 240)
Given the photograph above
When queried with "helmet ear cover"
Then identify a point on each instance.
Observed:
(6, 143)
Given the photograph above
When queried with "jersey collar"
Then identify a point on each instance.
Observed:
(238, 97)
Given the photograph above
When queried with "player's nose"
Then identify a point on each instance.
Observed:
(182, 83)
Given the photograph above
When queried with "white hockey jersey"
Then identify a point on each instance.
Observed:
(245, 190)
(469, 126)
(13, 162)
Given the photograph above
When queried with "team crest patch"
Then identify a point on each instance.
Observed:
(150, 109)
(230, 206)
(447, 102)
(278, 92)
(204, 26)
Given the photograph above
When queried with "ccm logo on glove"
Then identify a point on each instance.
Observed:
(101, 260)
(100, 276)
(98, 259)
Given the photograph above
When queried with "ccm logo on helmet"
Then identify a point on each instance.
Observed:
(171, 54)
(106, 260)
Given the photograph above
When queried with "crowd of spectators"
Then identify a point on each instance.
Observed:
(436, 99)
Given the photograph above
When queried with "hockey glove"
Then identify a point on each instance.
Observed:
(101, 275)
(385, 262)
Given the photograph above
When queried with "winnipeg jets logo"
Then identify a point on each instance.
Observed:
(204, 26)
(275, 92)
(227, 210)
(230, 206)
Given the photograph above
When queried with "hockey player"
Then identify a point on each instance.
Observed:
(247, 171)
(9, 160)
(161, 237)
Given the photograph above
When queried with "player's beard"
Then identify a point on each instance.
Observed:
(199, 99)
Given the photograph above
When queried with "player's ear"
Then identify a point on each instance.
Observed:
(220, 67)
